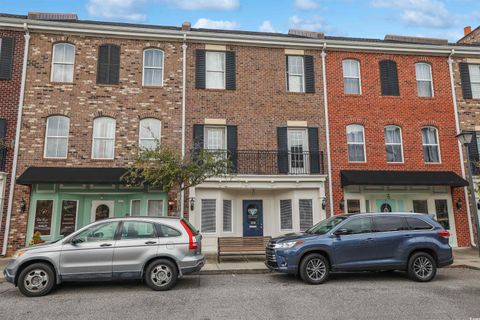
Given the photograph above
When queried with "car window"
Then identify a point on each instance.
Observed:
(99, 232)
(392, 223)
(326, 225)
(358, 225)
(168, 231)
(137, 230)
(418, 224)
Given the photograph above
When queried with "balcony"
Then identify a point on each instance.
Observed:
(3, 157)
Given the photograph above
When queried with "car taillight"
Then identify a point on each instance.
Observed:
(444, 234)
(192, 241)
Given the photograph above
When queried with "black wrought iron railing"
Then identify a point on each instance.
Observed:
(3, 157)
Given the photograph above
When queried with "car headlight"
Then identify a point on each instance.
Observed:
(18, 254)
(287, 245)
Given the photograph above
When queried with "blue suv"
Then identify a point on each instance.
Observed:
(412, 242)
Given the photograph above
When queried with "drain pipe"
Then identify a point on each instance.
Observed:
(460, 147)
(184, 97)
(327, 128)
(17, 138)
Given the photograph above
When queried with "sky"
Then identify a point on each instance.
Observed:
(352, 18)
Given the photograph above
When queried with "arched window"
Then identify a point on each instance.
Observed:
(62, 62)
(356, 143)
(393, 144)
(431, 147)
(153, 67)
(103, 145)
(424, 79)
(351, 77)
(149, 135)
(56, 137)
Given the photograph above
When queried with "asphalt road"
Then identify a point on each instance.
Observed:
(455, 294)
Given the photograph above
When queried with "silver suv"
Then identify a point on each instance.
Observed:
(156, 250)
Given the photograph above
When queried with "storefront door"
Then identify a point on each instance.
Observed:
(102, 209)
(252, 218)
(389, 205)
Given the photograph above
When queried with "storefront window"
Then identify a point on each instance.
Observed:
(155, 208)
(68, 217)
(102, 212)
(420, 206)
(135, 208)
(441, 209)
(43, 217)
(353, 206)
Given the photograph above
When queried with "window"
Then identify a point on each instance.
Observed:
(389, 78)
(286, 222)
(306, 214)
(418, 224)
(420, 206)
(393, 144)
(215, 138)
(351, 77)
(474, 70)
(298, 150)
(358, 225)
(424, 79)
(295, 74)
(393, 223)
(209, 216)
(166, 232)
(155, 208)
(68, 220)
(441, 209)
(153, 67)
(215, 70)
(108, 69)
(149, 133)
(227, 216)
(431, 152)
(353, 206)
(6, 57)
(102, 232)
(43, 217)
(103, 138)
(62, 62)
(135, 207)
(56, 137)
(356, 143)
(137, 230)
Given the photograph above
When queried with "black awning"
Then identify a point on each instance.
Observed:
(71, 175)
(401, 178)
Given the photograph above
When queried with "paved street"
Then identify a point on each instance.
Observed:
(455, 294)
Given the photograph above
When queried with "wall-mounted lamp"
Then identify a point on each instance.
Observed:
(192, 204)
(324, 204)
(342, 204)
(459, 204)
(23, 205)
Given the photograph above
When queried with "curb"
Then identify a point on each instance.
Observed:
(236, 271)
(465, 266)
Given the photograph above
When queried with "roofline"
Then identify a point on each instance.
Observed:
(466, 35)
(253, 39)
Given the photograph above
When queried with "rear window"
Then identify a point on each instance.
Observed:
(166, 231)
(418, 224)
(191, 227)
(393, 223)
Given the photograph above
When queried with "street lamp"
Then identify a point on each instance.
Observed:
(465, 138)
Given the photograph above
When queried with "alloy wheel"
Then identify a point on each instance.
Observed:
(316, 269)
(423, 267)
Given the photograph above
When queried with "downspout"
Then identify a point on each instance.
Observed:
(184, 97)
(327, 128)
(17, 138)
(460, 150)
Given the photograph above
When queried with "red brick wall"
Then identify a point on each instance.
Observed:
(407, 111)
(9, 98)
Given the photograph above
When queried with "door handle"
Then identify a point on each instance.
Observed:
(369, 239)
(151, 242)
(106, 245)
(408, 236)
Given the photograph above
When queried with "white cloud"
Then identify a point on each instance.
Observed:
(266, 26)
(311, 24)
(421, 13)
(204, 4)
(215, 24)
(117, 9)
(306, 4)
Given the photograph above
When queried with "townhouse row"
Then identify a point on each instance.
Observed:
(313, 125)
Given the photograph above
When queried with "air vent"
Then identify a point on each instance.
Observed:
(391, 37)
(52, 16)
(306, 34)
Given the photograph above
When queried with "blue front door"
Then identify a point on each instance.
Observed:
(252, 218)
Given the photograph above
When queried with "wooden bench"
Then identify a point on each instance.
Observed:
(231, 246)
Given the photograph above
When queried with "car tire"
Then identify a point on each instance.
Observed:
(161, 275)
(314, 269)
(36, 280)
(422, 267)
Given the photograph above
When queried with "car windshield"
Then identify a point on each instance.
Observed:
(326, 225)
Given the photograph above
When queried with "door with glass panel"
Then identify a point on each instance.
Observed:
(298, 159)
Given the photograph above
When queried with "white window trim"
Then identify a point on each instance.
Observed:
(472, 82)
(280, 214)
(140, 128)
(287, 84)
(364, 143)
(131, 201)
(47, 136)
(205, 142)
(232, 219)
(62, 63)
(396, 144)
(103, 138)
(350, 77)
(163, 206)
(162, 68)
(216, 71)
(216, 217)
(425, 80)
(431, 144)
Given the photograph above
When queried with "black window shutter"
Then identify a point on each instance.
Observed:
(282, 155)
(103, 64)
(200, 71)
(314, 150)
(6, 58)
(108, 70)
(198, 140)
(473, 153)
(230, 76)
(232, 146)
(286, 72)
(114, 72)
(3, 129)
(389, 78)
(309, 74)
(465, 77)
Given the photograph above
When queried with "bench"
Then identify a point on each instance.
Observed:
(231, 246)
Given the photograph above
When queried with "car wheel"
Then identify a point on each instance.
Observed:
(314, 269)
(36, 280)
(161, 275)
(422, 267)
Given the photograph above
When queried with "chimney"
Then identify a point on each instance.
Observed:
(306, 34)
(51, 16)
(186, 26)
(467, 30)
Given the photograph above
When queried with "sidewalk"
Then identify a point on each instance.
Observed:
(466, 258)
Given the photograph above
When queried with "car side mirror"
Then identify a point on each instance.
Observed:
(341, 232)
(76, 241)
